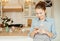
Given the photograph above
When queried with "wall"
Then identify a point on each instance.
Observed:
(57, 18)
(17, 17)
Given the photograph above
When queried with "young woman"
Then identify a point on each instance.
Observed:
(43, 28)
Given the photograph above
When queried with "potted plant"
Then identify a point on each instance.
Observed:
(6, 22)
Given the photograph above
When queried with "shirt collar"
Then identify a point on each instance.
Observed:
(44, 20)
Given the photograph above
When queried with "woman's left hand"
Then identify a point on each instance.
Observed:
(45, 32)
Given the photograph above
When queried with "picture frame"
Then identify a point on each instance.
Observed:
(48, 3)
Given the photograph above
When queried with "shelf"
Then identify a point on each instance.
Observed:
(12, 9)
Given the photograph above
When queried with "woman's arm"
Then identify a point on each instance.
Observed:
(33, 33)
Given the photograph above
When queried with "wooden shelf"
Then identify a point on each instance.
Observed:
(12, 9)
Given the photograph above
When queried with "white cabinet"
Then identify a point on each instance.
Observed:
(0, 8)
(0, 12)
(28, 8)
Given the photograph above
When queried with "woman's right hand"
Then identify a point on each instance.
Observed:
(34, 32)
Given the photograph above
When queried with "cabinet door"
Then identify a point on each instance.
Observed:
(33, 9)
(0, 8)
(26, 9)
(0, 12)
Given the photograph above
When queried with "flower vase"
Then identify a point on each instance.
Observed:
(7, 29)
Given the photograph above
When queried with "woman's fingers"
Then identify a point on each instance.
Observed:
(38, 30)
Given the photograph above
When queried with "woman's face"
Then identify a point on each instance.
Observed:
(40, 13)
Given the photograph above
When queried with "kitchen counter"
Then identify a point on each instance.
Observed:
(15, 38)
(18, 32)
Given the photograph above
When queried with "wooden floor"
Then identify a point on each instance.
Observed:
(18, 32)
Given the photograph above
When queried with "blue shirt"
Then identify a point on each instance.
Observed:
(48, 25)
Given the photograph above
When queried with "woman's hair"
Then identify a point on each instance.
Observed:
(40, 5)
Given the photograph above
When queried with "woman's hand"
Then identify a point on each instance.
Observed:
(38, 30)
(45, 32)
(49, 34)
(34, 32)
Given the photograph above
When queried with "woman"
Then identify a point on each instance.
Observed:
(43, 28)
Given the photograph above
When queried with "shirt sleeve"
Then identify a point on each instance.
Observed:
(53, 30)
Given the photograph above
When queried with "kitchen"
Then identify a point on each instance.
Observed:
(20, 12)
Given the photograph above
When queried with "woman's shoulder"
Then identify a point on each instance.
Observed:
(50, 19)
